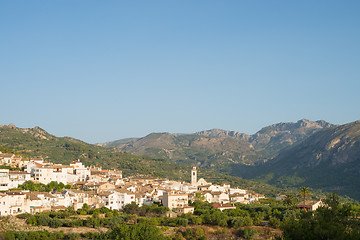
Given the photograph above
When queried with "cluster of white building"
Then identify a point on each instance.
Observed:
(103, 188)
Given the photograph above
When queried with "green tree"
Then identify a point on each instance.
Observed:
(304, 192)
(290, 200)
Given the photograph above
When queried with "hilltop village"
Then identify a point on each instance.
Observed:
(98, 188)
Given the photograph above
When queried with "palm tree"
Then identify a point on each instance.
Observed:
(290, 200)
(304, 192)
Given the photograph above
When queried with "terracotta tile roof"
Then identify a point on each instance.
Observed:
(6, 155)
(105, 193)
(220, 205)
(58, 208)
(308, 203)
(119, 190)
(14, 193)
(32, 196)
(17, 172)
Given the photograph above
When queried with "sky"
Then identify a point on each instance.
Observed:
(106, 70)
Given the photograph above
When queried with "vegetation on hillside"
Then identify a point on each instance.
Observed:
(262, 220)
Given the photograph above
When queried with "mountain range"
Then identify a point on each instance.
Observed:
(317, 154)
(218, 148)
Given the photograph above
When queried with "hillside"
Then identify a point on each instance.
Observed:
(329, 160)
(36, 142)
(218, 148)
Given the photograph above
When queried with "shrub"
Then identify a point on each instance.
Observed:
(116, 221)
(42, 219)
(196, 220)
(24, 216)
(32, 220)
(275, 222)
(55, 223)
(182, 222)
(72, 236)
(249, 233)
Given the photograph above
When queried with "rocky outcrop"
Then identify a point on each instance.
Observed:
(223, 133)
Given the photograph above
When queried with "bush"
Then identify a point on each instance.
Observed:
(24, 216)
(55, 223)
(72, 236)
(196, 220)
(42, 219)
(137, 231)
(182, 222)
(249, 233)
(241, 221)
(32, 220)
(196, 233)
(116, 221)
(275, 222)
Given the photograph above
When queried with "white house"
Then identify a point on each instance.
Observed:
(4, 179)
(17, 178)
(12, 203)
(82, 173)
(78, 198)
(173, 199)
(117, 199)
(6, 158)
(126, 197)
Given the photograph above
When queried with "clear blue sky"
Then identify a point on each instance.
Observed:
(106, 70)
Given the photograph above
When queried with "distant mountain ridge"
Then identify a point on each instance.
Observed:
(218, 148)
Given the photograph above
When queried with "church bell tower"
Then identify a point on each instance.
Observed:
(194, 176)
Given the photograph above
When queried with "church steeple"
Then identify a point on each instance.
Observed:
(194, 176)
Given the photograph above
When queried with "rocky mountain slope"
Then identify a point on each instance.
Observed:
(218, 148)
(329, 159)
